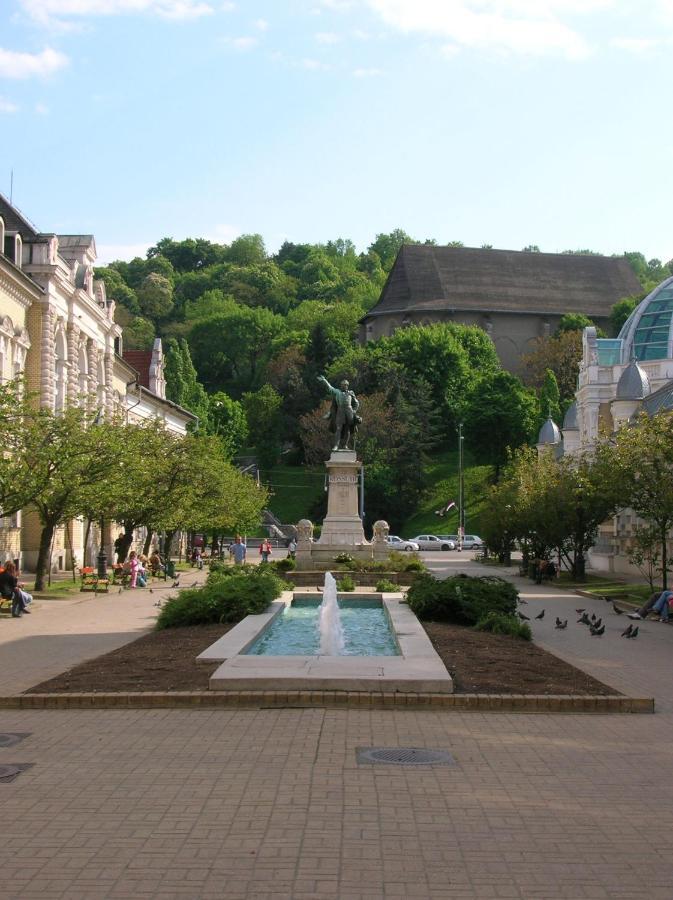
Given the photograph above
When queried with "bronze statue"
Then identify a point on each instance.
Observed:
(343, 417)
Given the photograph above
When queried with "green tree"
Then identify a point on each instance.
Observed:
(644, 472)
(387, 246)
(573, 322)
(246, 250)
(263, 414)
(117, 289)
(621, 311)
(499, 416)
(228, 422)
(155, 296)
(561, 353)
(182, 385)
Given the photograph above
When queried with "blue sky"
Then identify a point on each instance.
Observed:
(507, 122)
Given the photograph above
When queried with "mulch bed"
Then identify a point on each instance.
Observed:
(479, 662)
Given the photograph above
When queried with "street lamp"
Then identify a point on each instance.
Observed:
(461, 489)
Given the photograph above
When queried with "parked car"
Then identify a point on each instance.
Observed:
(470, 541)
(432, 542)
(398, 543)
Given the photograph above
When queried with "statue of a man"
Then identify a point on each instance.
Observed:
(343, 417)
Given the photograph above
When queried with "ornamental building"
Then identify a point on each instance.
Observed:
(57, 329)
(619, 378)
(515, 296)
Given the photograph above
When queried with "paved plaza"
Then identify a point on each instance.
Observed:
(273, 803)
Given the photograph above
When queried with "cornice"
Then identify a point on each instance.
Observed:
(17, 285)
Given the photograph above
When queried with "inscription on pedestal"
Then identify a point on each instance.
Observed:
(343, 479)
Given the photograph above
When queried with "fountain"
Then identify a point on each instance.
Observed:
(331, 631)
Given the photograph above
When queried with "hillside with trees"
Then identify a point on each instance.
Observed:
(246, 333)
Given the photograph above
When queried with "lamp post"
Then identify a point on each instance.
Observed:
(461, 489)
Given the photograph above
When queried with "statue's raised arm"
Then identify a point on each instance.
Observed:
(343, 414)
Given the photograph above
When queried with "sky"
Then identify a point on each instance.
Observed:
(501, 122)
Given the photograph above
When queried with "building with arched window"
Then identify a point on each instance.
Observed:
(515, 297)
(57, 328)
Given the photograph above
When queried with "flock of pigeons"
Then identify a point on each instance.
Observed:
(593, 622)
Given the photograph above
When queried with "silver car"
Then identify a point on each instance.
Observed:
(470, 541)
(398, 543)
(432, 542)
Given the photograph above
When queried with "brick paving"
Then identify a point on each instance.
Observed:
(271, 803)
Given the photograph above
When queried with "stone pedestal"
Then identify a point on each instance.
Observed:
(342, 525)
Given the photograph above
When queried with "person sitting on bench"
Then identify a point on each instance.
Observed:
(10, 589)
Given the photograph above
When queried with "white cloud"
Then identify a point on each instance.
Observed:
(327, 37)
(29, 65)
(367, 73)
(48, 12)
(6, 106)
(244, 42)
(41, 109)
(261, 24)
(224, 233)
(108, 253)
(634, 45)
(313, 65)
(337, 5)
(532, 27)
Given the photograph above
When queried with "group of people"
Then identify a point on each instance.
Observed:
(239, 550)
(658, 603)
(12, 589)
(139, 567)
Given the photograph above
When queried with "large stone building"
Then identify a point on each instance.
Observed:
(619, 378)
(57, 328)
(514, 296)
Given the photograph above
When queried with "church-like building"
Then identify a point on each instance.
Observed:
(515, 296)
(57, 329)
(619, 378)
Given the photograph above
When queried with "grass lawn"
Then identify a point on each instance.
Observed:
(60, 589)
(294, 490)
(442, 471)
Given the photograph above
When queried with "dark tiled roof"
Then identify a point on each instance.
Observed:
(660, 401)
(16, 221)
(141, 361)
(461, 278)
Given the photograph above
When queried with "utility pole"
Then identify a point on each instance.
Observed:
(461, 489)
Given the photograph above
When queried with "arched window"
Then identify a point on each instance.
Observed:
(18, 250)
(2, 235)
(83, 386)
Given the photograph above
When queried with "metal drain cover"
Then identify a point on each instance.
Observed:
(9, 740)
(9, 772)
(404, 756)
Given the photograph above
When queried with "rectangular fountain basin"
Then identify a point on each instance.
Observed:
(414, 667)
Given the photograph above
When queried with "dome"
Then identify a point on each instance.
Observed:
(646, 334)
(549, 433)
(633, 383)
(570, 418)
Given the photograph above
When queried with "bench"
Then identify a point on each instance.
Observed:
(91, 581)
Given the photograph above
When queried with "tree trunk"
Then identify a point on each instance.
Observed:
(579, 566)
(664, 557)
(148, 542)
(43, 555)
(125, 542)
(168, 543)
(85, 549)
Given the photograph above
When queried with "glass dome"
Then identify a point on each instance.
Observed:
(646, 334)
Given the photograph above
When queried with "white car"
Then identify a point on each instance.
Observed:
(432, 542)
(470, 541)
(398, 543)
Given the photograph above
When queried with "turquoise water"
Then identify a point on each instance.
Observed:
(296, 631)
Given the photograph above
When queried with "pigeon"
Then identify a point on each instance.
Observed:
(598, 623)
(540, 616)
(176, 583)
(521, 600)
(578, 611)
(627, 632)
(634, 633)
(583, 619)
(558, 621)
(121, 590)
(597, 632)
(521, 616)
(151, 590)
(608, 599)
(593, 617)
(560, 624)
(618, 611)
(194, 583)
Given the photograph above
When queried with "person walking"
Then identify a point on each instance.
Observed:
(265, 550)
(239, 550)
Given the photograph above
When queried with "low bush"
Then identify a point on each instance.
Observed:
(287, 564)
(224, 598)
(386, 586)
(497, 623)
(461, 599)
(220, 568)
(345, 584)
(404, 562)
(344, 559)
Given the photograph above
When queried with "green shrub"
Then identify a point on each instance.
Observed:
(345, 584)
(386, 587)
(497, 623)
(404, 562)
(461, 599)
(225, 570)
(287, 564)
(344, 559)
(222, 599)
(415, 565)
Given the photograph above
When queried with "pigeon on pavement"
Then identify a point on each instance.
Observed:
(627, 632)
(597, 632)
(521, 616)
(560, 624)
(618, 611)
(540, 616)
(634, 633)
(578, 611)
